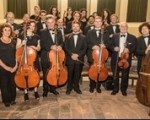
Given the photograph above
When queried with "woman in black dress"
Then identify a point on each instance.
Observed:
(8, 65)
(33, 40)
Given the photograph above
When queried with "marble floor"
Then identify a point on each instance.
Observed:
(85, 106)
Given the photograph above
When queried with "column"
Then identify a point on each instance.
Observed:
(123, 10)
(148, 11)
(62, 6)
(92, 6)
(3, 9)
(31, 4)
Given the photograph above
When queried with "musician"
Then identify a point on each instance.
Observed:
(68, 16)
(121, 42)
(8, 65)
(36, 16)
(10, 17)
(90, 24)
(54, 11)
(42, 23)
(75, 47)
(61, 26)
(48, 43)
(143, 43)
(113, 27)
(76, 17)
(33, 41)
(94, 41)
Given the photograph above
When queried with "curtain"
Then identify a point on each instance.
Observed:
(77, 4)
(109, 4)
(18, 7)
(137, 10)
(46, 4)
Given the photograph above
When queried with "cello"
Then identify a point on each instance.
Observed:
(98, 70)
(26, 76)
(57, 74)
(143, 83)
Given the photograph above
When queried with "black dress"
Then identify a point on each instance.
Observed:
(7, 84)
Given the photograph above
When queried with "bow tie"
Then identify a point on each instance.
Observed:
(145, 36)
(122, 35)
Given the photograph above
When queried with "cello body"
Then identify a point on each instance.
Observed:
(98, 70)
(143, 83)
(57, 74)
(26, 76)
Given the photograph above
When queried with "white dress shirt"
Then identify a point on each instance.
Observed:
(122, 43)
(75, 37)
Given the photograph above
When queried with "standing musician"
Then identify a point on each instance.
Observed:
(33, 41)
(8, 65)
(48, 42)
(122, 43)
(75, 47)
(10, 17)
(94, 42)
(143, 43)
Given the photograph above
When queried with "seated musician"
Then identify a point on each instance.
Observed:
(94, 42)
(49, 42)
(143, 43)
(75, 47)
(122, 42)
(33, 41)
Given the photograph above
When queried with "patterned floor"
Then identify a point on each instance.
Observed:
(88, 105)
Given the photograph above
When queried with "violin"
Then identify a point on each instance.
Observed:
(98, 70)
(123, 63)
(57, 74)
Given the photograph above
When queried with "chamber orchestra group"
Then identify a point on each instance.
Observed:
(57, 45)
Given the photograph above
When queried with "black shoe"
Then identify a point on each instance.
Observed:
(13, 103)
(7, 104)
(45, 94)
(98, 90)
(113, 93)
(124, 93)
(26, 97)
(36, 96)
(68, 92)
(54, 92)
(78, 91)
(91, 90)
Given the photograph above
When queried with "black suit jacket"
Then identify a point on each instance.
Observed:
(47, 42)
(70, 48)
(140, 50)
(110, 30)
(39, 27)
(92, 40)
(131, 40)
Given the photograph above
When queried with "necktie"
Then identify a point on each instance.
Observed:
(122, 35)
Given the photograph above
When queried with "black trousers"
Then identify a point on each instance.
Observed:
(124, 78)
(7, 86)
(74, 75)
(46, 86)
(94, 84)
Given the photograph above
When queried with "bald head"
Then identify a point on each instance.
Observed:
(123, 27)
(10, 17)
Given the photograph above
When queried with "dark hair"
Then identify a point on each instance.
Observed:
(29, 23)
(146, 24)
(75, 22)
(108, 17)
(90, 17)
(51, 9)
(2, 26)
(78, 13)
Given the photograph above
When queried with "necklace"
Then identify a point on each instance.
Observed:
(6, 41)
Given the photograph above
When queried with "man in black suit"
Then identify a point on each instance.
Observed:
(75, 47)
(122, 42)
(94, 42)
(113, 27)
(49, 42)
(143, 43)
(41, 24)
(90, 24)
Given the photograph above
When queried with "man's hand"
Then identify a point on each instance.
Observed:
(75, 56)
